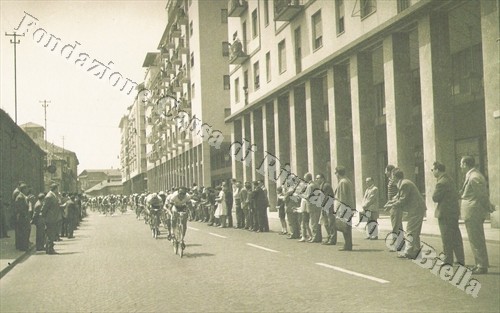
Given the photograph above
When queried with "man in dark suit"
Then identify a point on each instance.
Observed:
(475, 204)
(344, 193)
(52, 214)
(410, 200)
(447, 212)
(22, 211)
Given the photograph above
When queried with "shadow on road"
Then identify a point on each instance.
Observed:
(197, 255)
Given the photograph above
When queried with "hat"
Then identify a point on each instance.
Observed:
(23, 185)
(41, 196)
(53, 185)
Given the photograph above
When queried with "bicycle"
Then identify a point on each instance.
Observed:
(178, 232)
(154, 222)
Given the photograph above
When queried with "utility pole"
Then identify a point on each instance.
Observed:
(15, 42)
(45, 104)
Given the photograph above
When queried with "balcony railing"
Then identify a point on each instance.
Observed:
(286, 10)
(181, 17)
(176, 58)
(176, 31)
(237, 7)
(237, 55)
(183, 48)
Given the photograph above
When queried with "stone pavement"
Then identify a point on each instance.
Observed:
(9, 256)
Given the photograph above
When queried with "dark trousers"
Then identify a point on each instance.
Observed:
(240, 219)
(452, 240)
(40, 236)
(23, 230)
(52, 230)
(347, 237)
(475, 231)
(3, 223)
(229, 216)
(69, 227)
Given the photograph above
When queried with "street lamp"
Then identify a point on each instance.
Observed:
(15, 42)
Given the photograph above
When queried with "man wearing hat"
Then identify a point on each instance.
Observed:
(52, 214)
(22, 214)
(39, 222)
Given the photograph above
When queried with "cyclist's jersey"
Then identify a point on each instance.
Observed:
(154, 200)
(176, 201)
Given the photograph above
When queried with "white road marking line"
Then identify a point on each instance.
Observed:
(217, 235)
(263, 248)
(189, 227)
(378, 280)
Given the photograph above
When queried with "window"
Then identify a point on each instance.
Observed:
(192, 59)
(368, 7)
(268, 66)
(226, 82)
(282, 56)
(339, 14)
(191, 29)
(317, 31)
(237, 90)
(256, 76)
(255, 25)
(403, 5)
(223, 16)
(298, 50)
(192, 91)
(225, 49)
(245, 85)
(244, 36)
(266, 12)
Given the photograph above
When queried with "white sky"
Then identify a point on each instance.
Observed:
(83, 109)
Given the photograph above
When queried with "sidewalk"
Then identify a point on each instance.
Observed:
(429, 228)
(9, 255)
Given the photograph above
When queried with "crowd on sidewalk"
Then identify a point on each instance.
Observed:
(54, 216)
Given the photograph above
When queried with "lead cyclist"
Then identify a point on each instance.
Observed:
(180, 202)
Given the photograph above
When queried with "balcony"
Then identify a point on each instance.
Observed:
(181, 17)
(237, 7)
(286, 10)
(183, 49)
(183, 75)
(237, 55)
(170, 44)
(176, 58)
(177, 86)
(175, 32)
(186, 137)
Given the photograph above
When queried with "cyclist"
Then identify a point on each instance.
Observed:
(180, 202)
(153, 205)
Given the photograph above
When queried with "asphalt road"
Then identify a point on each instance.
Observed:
(113, 265)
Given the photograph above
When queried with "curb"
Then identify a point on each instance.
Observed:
(19, 259)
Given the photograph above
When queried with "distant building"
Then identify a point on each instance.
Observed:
(61, 164)
(20, 159)
(91, 178)
(133, 149)
(105, 188)
(191, 68)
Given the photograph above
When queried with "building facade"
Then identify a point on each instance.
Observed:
(133, 149)
(61, 165)
(188, 80)
(21, 159)
(317, 84)
(90, 178)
